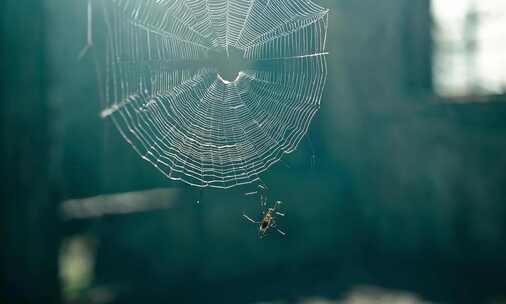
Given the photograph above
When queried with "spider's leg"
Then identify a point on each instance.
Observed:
(249, 219)
(261, 234)
(275, 226)
(275, 207)
(262, 185)
(280, 214)
(251, 193)
(281, 232)
(262, 191)
(263, 201)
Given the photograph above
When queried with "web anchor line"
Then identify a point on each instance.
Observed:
(89, 32)
(201, 195)
(313, 153)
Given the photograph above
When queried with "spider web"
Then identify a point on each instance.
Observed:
(169, 102)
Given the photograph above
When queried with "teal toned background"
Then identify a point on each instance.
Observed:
(406, 199)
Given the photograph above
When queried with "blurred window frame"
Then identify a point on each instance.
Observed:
(474, 89)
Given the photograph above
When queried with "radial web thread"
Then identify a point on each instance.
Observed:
(179, 114)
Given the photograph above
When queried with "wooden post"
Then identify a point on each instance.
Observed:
(29, 192)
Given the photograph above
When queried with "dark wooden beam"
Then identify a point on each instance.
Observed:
(29, 195)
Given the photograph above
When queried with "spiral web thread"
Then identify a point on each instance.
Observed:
(179, 114)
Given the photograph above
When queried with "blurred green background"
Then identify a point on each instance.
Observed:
(406, 202)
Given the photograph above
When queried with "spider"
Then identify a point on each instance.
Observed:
(268, 219)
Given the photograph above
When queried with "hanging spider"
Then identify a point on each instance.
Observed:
(268, 219)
